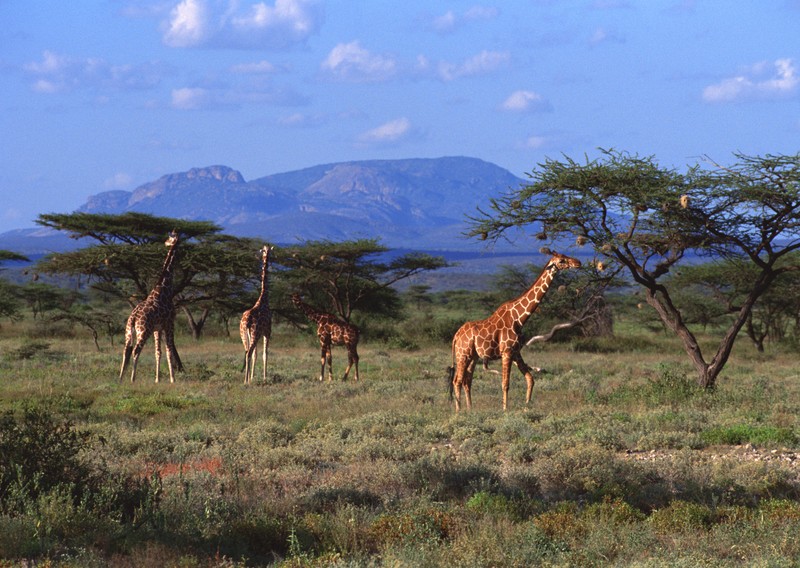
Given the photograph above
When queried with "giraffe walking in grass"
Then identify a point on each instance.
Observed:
(257, 323)
(500, 337)
(154, 315)
(332, 331)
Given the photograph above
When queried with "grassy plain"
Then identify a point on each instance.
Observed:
(619, 461)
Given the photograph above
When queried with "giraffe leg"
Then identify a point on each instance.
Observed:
(126, 353)
(264, 358)
(141, 339)
(250, 359)
(172, 353)
(469, 373)
(323, 357)
(458, 380)
(329, 359)
(506, 378)
(352, 359)
(157, 341)
(525, 369)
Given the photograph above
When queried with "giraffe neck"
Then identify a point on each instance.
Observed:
(526, 304)
(263, 297)
(163, 287)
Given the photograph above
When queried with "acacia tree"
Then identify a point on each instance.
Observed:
(129, 253)
(9, 306)
(715, 289)
(350, 275)
(648, 219)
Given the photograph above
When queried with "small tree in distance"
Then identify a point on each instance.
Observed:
(647, 219)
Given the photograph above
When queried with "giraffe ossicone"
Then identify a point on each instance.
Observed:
(500, 337)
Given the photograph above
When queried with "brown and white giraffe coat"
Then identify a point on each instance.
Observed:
(154, 315)
(500, 336)
(332, 331)
(257, 323)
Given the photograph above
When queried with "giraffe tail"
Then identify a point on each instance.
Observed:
(126, 357)
(451, 372)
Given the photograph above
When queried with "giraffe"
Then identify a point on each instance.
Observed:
(257, 323)
(332, 331)
(154, 315)
(500, 336)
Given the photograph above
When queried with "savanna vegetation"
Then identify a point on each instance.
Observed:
(621, 458)
(630, 454)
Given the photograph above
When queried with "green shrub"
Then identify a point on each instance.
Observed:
(681, 516)
(37, 454)
(28, 350)
(750, 434)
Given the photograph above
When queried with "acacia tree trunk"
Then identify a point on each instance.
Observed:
(196, 325)
(707, 372)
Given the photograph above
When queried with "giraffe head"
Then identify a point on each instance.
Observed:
(172, 239)
(562, 262)
(265, 250)
(296, 299)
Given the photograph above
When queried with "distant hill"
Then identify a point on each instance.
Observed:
(414, 203)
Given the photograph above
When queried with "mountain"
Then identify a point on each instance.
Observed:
(417, 204)
(413, 203)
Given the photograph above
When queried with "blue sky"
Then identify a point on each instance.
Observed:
(102, 95)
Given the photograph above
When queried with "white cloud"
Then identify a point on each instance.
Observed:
(351, 62)
(535, 142)
(188, 24)
(480, 64)
(302, 120)
(61, 73)
(390, 132)
(525, 101)
(763, 80)
(244, 25)
(188, 98)
(256, 68)
(451, 21)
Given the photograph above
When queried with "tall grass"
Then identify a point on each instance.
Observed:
(619, 460)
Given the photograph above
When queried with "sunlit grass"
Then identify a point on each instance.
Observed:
(619, 459)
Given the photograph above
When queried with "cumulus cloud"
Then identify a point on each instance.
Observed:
(244, 25)
(221, 95)
(480, 64)
(57, 73)
(351, 62)
(761, 81)
(525, 101)
(302, 120)
(389, 133)
(256, 68)
(189, 98)
(451, 21)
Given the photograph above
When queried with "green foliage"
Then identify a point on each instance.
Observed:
(206, 472)
(348, 276)
(758, 435)
(38, 454)
(645, 219)
(29, 350)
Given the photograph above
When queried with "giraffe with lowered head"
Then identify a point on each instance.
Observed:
(500, 336)
(257, 323)
(332, 331)
(154, 315)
